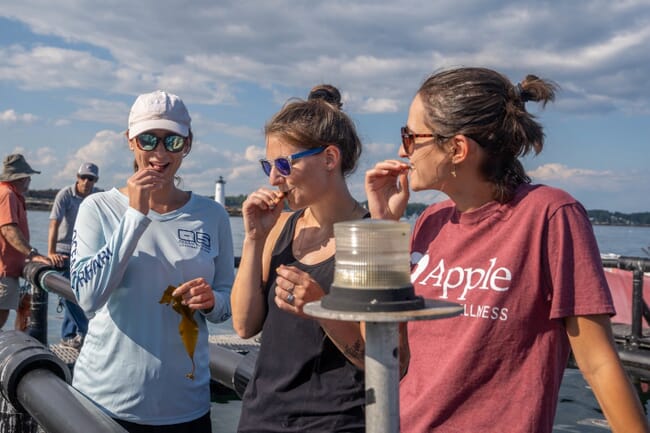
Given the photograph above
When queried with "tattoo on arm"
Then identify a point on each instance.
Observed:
(356, 350)
(15, 238)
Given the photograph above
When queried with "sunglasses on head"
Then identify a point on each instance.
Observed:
(173, 142)
(283, 164)
(88, 177)
(408, 139)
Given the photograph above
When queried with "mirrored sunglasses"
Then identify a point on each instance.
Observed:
(88, 177)
(283, 164)
(173, 142)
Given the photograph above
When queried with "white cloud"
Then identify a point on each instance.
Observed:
(51, 67)
(380, 105)
(375, 48)
(10, 117)
(562, 172)
(254, 153)
(108, 149)
(236, 63)
(576, 178)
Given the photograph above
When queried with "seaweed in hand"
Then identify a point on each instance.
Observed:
(188, 328)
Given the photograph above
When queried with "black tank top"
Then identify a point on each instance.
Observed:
(302, 382)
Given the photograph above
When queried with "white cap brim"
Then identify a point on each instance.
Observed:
(149, 125)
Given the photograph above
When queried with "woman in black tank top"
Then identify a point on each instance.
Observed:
(308, 375)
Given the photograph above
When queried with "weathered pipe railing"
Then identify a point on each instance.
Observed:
(35, 385)
(634, 356)
(640, 311)
(35, 381)
(227, 367)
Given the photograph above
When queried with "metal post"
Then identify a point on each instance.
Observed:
(38, 314)
(637, 305)
(382, 354)
(382, 377)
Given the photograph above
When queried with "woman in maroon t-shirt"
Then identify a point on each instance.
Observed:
(521, 259)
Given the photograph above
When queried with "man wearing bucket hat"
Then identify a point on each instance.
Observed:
(59, 240)
(14, 231)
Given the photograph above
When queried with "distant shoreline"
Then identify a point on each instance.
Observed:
(597, 217)
(45, 205)
(593, 223)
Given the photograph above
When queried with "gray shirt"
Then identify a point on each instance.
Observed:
(64, 210)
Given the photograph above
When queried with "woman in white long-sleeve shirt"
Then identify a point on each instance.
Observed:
(130, 245)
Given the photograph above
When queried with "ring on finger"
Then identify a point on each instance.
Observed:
(290, 298)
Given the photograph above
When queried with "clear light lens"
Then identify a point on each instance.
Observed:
(372, 254)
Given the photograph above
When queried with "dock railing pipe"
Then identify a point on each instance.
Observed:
(44, 279)
(228, 367)
(47, 278)
(640, 310)
(36, 382)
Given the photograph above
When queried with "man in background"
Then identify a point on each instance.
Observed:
(14, 231)
(59, 239)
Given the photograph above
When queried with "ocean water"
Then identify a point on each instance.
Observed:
(578, 410)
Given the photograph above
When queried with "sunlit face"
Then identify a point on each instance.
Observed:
(158, 159)
(307, 178)
(431, 165)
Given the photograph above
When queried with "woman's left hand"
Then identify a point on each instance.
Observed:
(294, 288)
(196, 294)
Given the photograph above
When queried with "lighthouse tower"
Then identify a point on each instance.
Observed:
(220, 191)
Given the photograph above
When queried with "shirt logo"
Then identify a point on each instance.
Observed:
(458, 283)
(192, 239)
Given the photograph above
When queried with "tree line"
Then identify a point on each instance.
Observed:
(605, 217)
(597, 216)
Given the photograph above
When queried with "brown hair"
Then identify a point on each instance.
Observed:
(316, 122)
(485, 106)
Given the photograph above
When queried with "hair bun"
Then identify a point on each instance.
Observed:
(328, 93)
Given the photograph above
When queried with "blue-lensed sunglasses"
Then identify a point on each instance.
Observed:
(283, 164)
(173, 142)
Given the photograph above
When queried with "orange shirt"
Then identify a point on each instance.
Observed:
(12, 211)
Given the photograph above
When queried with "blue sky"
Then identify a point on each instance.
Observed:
(70, 70)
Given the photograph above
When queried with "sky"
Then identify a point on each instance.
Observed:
(70, 70)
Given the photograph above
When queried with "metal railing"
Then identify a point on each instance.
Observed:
(633, 356)
(640, 311)
(34, 381)
(227, 367)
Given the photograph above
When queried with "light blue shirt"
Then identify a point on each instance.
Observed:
(133, 362)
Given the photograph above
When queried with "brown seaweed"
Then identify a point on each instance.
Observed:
(188, 328)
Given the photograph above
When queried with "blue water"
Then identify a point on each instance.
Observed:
(578, 410)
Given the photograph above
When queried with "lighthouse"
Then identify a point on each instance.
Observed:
(220, 191)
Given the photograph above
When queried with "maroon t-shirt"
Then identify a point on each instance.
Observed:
(517, 269)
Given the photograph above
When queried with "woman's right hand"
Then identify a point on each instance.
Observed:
(261, 211)
(139, 187)
(387, 189)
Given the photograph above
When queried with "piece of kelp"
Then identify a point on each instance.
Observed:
(188, 328)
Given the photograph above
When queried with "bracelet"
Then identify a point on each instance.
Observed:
(32, 252)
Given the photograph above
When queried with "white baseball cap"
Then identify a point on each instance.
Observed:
(159, 110)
